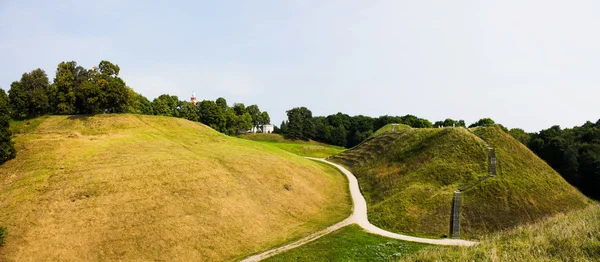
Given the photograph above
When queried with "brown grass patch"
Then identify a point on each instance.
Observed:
(130, 187)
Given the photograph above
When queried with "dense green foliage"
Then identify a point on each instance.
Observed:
(7, 149)
(350, 243)
(573, 152)
(340, 129)
(449, 122)
(2, 235)
(77, 90)
(408, 178)
(299, 125)
(29, 96)
(482, 122)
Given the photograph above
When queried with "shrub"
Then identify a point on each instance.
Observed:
(2, 235)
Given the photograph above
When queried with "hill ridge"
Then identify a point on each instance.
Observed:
(130, 187)
(409, 182)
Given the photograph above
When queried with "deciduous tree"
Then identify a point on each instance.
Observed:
(7, 149)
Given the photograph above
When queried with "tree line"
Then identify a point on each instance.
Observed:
(348, 131)
(77, 90)
(572, 152)
(7, 149)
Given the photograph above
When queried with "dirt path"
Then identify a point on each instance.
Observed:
(359, 216)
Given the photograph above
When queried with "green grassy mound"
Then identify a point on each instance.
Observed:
(136, 188)
(298, 147)
(388, 128)
(408, 178)
(573, 236)
(350, 243)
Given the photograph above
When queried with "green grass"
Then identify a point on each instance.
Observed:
(24, 126)
(298, 147)
(388, 128)
(132, 187)
(408, 179)
(2, 235)
(350, 243)
(573, 236)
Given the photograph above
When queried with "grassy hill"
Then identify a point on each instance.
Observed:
(574, 236)
(299, 147)
(388, 128)
(132, 187)
(408, 178)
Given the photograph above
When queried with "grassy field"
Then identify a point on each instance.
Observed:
(132, 187)
(408, 178)
(574, 236)
(298, 147)
(350, 243)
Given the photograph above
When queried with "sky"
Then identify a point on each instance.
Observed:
(527, 64)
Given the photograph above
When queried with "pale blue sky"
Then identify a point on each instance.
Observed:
(529, 64)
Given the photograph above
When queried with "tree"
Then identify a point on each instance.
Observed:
(300, 125)
(338, 136)
(450, 122)
(483, 122)
(116, 95)
(384, 120)
(18, 100)
(29, 96)
(212, 115)
(188, 111)
(239, 109)
(320, 123)
(133, 102)
(145, 105)
(231, 122)
(244, 122)
(283, 128)
(574, 153)
(265, 119)
(520, 134)
(415, 122)
(222, 103)
(160, 107)
(7, 149)
(66, 83)
(166, 105)
(255, 114)
(113, 88)
(91, 98)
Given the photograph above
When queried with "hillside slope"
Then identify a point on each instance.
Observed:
(132, 187)
(573, 236)
(408, 178)
(299, 147)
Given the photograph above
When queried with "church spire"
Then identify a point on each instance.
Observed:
(193, 97)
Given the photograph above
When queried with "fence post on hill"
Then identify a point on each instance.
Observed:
(455, 230)
(492, 162)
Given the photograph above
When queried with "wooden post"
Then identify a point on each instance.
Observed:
(492, 162)
(455, 230)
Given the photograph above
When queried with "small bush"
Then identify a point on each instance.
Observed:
(3, 233)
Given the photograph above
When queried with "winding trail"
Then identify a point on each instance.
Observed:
(359, 217)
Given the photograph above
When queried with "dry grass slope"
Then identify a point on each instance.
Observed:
(131, 187)
(408, 178)
(573, 236)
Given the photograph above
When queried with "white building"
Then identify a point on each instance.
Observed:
(267, 129)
